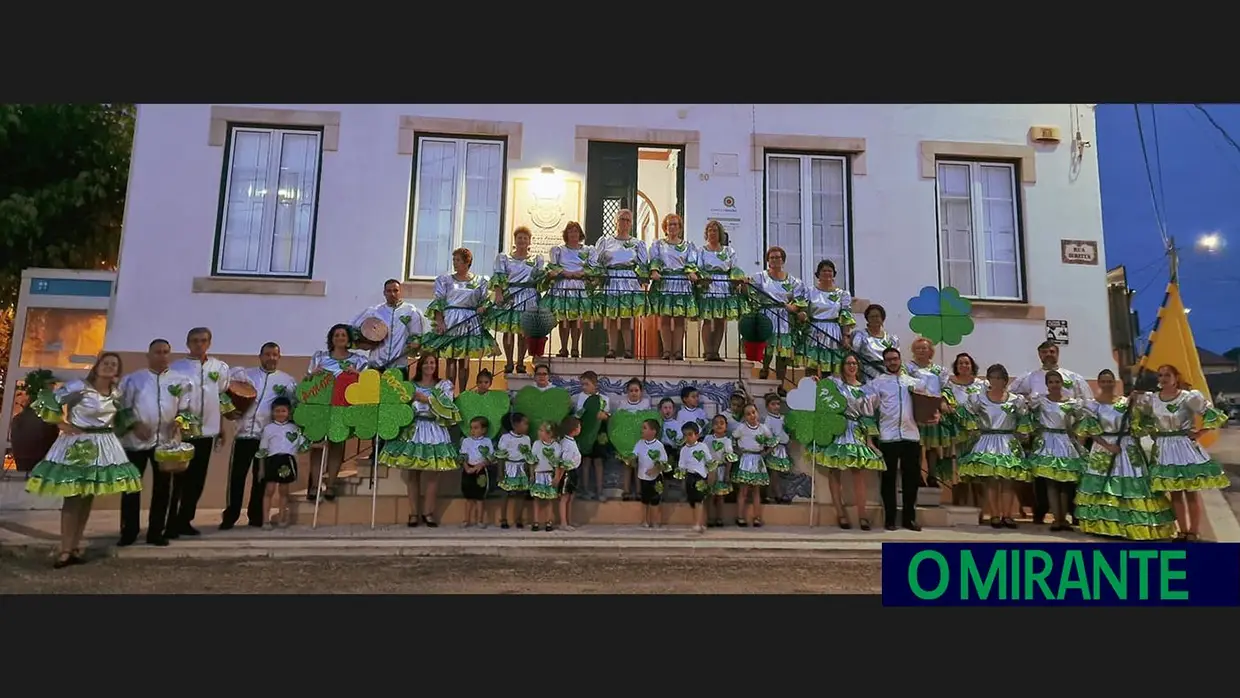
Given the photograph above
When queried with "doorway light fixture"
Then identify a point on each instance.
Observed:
(548, 184)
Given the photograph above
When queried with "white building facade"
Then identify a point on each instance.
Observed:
(272, 222)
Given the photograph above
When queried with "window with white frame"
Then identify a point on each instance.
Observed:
(979, 240)
(807, 212)
(458, 196)
(271, 190)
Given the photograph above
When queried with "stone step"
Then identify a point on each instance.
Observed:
(392, 510)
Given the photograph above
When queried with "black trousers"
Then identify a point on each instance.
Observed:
(244, 466)
(187, 486)
(131, 503)
(904, 458)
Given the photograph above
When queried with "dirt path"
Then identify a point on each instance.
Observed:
(460, 575)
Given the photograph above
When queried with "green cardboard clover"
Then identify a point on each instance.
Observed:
(314, 413)
(815, 412)
(590, 424)
(378, 404)
(493, 404)
(624, 430)
(941, 316)
(550, 405)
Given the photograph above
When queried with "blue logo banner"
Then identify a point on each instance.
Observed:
(1061, 574)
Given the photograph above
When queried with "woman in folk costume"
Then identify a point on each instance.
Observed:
(1114, 496)
(87, 459)
(673, 272)
(1056, 457)
(620, 266)
(514, 282)
(854, 449)
(424, 449)
(564, 288)
(963, 383)
(997, 457)
(935, 438)
(828, 332)
(872, 340)
(719, 289)
(339, 357)
(782, 299)
(1178, 464)
(458, 334)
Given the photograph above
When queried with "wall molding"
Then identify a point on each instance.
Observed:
(761, 142)
(1004, 310)
(221, 116)
(410, 126)
(259, 287)
(931, 151)
(690, 140)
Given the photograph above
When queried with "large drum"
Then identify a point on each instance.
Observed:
(926, 408)
(373, 331)
(242, 395)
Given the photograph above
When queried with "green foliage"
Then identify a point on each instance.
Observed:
(550, 405)
(624, 429)
(493, 405)
(822, 425)
(64, 170)
(755, 327)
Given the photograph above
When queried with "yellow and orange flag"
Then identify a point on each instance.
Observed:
(1171, 343)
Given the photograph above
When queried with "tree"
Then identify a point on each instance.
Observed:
(64, 169)
(1233, 354)
(6, 340)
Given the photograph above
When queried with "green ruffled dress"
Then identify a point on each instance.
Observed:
(821, 344)
(1055, 455)
(517, 281)
(463, 304)
(425, 444)
(92, 463)
(567, 299)
(672, 295)
(851, 450)
(997, 452)
(1114, 497)
(941, 435)
(1177, 462)
(615, 276)
(770, 296)
(718, 294)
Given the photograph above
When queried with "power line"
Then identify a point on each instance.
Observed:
(1149, 177)
(1218, 127)
(1216, 145)
(1162, 193)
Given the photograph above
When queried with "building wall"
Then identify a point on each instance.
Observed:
(363, 211)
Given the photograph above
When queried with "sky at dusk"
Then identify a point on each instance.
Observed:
(1199, 193)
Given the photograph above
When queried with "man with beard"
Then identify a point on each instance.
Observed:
(1074, 386)
(899, 437)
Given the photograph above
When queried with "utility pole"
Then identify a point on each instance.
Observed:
(1174, 258)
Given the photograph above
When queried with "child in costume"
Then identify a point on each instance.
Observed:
(672, 439)
(651, 464)
(634, 400)
(694, 468)
(476, 453)
(278, 446)
(778, 464)
(516, 453)
(543, 489)
(595, 454)
(722, 456)
(566, 471)
(753, 440)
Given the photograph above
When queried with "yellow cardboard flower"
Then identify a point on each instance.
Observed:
(365, 391)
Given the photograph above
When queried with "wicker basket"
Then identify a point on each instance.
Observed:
(174, 459)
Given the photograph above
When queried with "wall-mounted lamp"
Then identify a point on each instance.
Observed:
(548, 184)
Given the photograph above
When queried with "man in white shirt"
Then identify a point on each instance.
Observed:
(1074, 386)
(899, 438)
(269, 383)
(405, 323)
(210, 400)
(151, 399)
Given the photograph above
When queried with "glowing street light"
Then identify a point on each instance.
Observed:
(1210, 242)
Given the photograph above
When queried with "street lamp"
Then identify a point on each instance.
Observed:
(1210, 243)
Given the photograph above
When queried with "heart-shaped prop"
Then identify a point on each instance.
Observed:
(550, 405)
(493, 404)
(624, 429)
(590, 424)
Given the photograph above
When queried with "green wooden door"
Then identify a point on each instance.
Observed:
(611, 185)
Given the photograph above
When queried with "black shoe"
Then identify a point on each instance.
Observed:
(535, 527)
(172, 534)
(864, 524)
(227, 524)
(188, 530)
(891, 527)
(157, 541)
(1010, 523)
(912, 525)
(255, 522)
(126, 540)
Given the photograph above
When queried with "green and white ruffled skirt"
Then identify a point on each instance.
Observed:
(84, 465)
(423, 445)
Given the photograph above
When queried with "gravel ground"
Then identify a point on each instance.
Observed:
(443, 575)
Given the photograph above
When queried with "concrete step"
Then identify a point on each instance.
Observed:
(394, 510)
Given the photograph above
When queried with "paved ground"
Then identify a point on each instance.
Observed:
(460, 575)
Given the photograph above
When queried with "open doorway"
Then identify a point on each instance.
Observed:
(649, 180)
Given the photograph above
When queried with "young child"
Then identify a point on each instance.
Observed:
(722, 456)
(777, 460)
(542, 377)
(595, 454)
(635, 400)
(691, 409)
(651, 464)
(546, 461)
(672, 439)
(693, 468)
(566, 470)
(516, 453)
(736, 410)
(278, 446)
(476, 453)
(753, 440)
